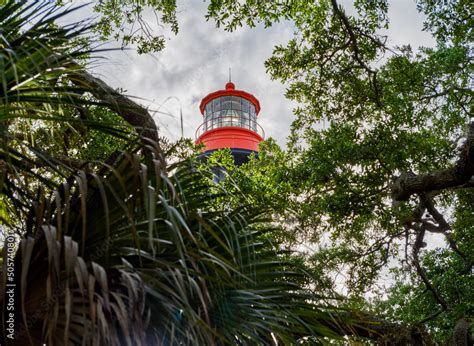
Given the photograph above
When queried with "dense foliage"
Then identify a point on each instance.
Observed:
(391, 172)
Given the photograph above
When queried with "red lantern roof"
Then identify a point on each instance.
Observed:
(230, 91)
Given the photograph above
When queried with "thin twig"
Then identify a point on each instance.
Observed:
(421, 272)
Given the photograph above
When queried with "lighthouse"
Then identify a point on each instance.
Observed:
(230, 121)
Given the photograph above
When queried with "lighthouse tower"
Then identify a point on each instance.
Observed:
(230, 121)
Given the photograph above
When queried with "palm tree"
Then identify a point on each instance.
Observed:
(129, 250)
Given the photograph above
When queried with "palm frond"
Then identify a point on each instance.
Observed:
(209, 276)
(36, 58)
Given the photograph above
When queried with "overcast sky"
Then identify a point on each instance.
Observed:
(196, 61)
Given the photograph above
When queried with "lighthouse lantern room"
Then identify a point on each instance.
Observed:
(230, 121)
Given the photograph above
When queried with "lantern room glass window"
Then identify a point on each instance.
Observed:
(230, 111)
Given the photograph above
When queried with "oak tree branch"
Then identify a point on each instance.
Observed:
(459, 175)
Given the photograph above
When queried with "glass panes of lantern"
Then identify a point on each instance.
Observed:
(230, 111)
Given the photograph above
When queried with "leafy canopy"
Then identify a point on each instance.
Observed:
(391, 171)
